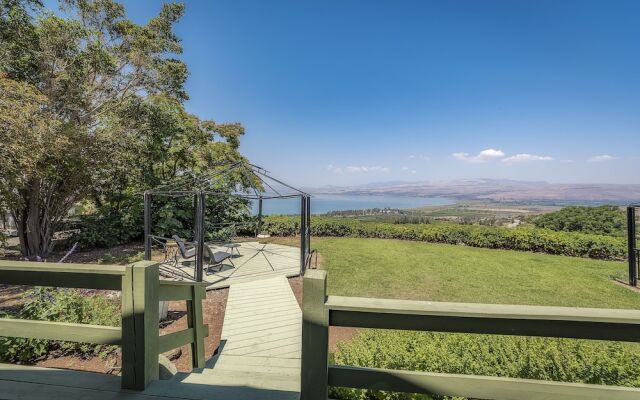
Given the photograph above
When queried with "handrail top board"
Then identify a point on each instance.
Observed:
(473, 310)
(183, 283)
(31, 266)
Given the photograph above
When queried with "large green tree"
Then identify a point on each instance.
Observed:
(91, 107)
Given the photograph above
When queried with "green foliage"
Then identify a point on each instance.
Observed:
(60, 305)
(412, 219)
(602, 220)
(110, 228)
(92, 109)
(521, 238)
(63, 82)
(566, 360)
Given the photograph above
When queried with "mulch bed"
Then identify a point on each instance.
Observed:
(213, 309)
(337, 334)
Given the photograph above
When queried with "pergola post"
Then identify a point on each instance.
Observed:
(259, 216)
(303, 227)
(631, 240)
(199, 234)
(147, 226)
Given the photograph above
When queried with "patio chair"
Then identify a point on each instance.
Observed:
(184, 252)
(216, 259)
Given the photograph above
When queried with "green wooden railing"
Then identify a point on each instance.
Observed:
(320, 312)
(141, 292)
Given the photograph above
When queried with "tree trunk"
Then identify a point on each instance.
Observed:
(33, 225)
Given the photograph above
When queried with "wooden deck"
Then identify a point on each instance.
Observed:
(259, 357)
(255, 261)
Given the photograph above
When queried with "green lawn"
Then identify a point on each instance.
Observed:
(423, 271)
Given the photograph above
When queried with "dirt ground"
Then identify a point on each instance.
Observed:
(337, 334)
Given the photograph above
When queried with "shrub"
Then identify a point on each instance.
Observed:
(521, 238)
(566, 360)
(602, 220)
(60, 305)
(110, 230)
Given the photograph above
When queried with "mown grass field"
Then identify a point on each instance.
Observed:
(440, 272)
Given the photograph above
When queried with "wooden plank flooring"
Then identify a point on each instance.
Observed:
(256, 261)
(261, 345)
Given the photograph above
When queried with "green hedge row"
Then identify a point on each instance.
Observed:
(566, 360)
(521, 238)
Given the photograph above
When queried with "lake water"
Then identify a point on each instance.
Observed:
(323, 203)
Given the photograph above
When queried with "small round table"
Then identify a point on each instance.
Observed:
(231, 246)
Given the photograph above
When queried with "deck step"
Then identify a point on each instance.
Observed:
(231, 385)
(257, 361)
(284, 367)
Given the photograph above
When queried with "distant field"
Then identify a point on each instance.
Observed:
(471, 211)
(486, 209)
(439, 272)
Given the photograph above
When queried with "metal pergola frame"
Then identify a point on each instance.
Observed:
(199, 187)
(633, 253)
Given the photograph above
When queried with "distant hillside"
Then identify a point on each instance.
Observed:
(500, 190)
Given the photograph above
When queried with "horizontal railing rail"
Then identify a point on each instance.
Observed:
(86, 276)
(70, 332)
(321, 311)
(141, 292)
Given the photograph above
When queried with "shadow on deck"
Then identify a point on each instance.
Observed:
(251, 261)
(27, 383)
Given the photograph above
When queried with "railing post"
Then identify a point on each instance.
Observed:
(147, 225)
(140, 325)
(195, 321)
(631, 241)
(315, 337)
(308, 232)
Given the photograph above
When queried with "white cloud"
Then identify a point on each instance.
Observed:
(483, 156)
(405, 168)
(566, 161)
(420, 157)
(334, 169)
(364, 169)
(524, 157)
(602, 157)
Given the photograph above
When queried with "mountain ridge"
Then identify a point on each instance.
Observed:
(495, 190)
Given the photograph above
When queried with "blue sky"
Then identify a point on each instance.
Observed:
(354, 91)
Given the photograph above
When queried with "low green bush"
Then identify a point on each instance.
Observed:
(601, 220)
(525, 238)
(60, 305)
(109, 230)
(565, 360)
